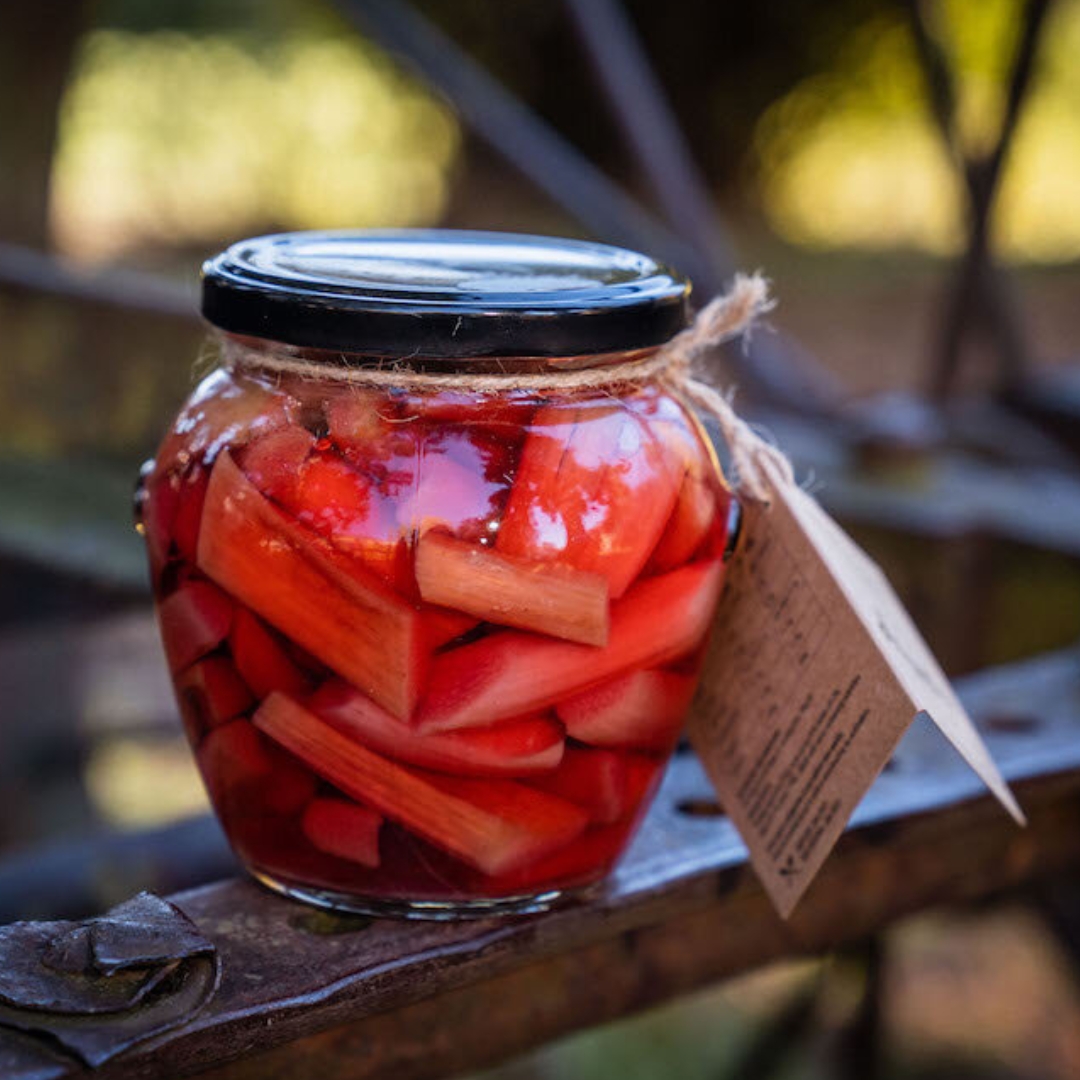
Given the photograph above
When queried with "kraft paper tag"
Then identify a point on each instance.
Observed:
(814, 673)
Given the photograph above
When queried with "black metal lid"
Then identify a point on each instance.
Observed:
(442, 293)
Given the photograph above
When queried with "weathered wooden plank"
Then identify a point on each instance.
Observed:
(952, 494)
(99, 676)
(421, 1000)
(73, 517)
(27, 270)
(61, 686)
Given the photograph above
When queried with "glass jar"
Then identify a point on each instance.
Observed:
(432, 642)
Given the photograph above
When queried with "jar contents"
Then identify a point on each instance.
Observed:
(432, 647)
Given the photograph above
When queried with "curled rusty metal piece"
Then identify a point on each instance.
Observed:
(97, 987)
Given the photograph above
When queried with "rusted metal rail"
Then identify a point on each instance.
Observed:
(313, 994)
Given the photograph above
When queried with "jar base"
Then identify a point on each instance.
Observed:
(427, 910)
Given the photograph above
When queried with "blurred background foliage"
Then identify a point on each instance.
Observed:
(174, 138)
(186, 125)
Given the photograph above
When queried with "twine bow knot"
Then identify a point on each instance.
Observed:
(756, 462)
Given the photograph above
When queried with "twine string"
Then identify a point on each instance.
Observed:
(757, 464)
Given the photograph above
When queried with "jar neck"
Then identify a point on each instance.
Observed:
(250, 349)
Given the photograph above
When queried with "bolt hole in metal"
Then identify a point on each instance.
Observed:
(1009, 723)
(702, 808)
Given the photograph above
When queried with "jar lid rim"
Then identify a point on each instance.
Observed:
(443, 293)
